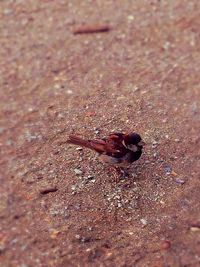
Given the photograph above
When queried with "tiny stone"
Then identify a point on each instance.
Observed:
(119, 205)
(79, 148)
(180, 181)
(2, 129)
(165, 245)
(2, 249)
(168, 170)
(70, 92)
(130, 17)
(166, 45)
(194, 108)
(73, 187)
(177, 140)
(9, 142)
(136, 88)
(31, 109)
(77, 207)
(78, 172)
(135, 189)
(97, 131)
(86, 42)
(57, 86)
(154, 144)
(61, 116)
(143, 221)
(7, 11)
(90, 177)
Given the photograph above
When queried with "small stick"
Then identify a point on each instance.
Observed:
(92, 28)
(48, 190)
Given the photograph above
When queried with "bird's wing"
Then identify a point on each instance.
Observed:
(103, 146)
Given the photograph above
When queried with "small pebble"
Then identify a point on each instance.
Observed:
(73, 187)
(7, 11)
(2, 129)
(168, 170)
(9, 142)
(61, 116)
(130, 17)
(79, 148)
(90, 177)
(143, 221)
(97, 131)
(154, 144)
(166, 45)
(69, 92)
(194, 108)
(180, 181)
(78, 171)
(165, 245)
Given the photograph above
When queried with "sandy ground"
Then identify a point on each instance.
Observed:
(142, 75)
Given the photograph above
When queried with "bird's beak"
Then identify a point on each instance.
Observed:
(141, 143)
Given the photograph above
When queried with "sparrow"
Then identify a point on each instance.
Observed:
(118, 149)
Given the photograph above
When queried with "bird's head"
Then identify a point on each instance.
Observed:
(133, 142)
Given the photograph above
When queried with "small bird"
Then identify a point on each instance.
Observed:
(118, 149)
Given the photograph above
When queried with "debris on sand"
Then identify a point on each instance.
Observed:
(165, 245)
(48, 190)
(144, 221)
(78, 172)
(91, 28)
(179, 181)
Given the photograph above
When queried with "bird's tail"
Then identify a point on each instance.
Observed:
(75, 140)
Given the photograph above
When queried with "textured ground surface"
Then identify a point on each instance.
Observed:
(142, 75)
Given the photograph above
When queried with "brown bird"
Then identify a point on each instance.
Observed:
(118, 149)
